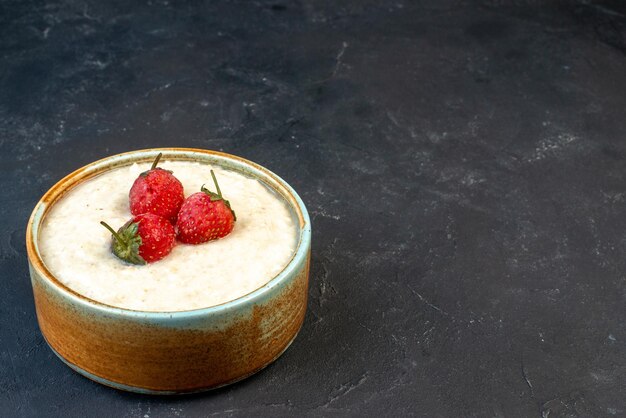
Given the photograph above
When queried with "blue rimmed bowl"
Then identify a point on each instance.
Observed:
(171, 352)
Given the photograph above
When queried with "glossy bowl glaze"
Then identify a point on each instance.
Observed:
(171, 352)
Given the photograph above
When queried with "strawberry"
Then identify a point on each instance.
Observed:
(144, 239)
(205, 216)
(156, 191)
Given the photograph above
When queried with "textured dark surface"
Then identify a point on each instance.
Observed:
(464, 164)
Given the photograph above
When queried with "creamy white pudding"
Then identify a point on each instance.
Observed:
(77, 249)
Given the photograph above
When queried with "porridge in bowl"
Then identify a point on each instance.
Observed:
(77, 249)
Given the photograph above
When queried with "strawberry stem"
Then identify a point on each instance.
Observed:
(156, 161)
(218, 195)
(117, 236)
(217, 186)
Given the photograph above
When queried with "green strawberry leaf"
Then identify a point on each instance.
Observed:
(126, 242)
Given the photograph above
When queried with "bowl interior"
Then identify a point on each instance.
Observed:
(227, 161)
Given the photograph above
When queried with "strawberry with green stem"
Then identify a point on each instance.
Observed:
(144, 239)
(156, 191)
(205, 216)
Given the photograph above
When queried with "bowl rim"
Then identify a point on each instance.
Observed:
(100, 166)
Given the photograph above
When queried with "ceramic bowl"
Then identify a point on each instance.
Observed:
(171, 352)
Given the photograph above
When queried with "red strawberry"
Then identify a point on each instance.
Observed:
(144, 239)
(156, 191)
(205, 216)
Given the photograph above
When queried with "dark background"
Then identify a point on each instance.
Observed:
(463, 162)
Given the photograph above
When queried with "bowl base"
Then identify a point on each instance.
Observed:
(145, 391)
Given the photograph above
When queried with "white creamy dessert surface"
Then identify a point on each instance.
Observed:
(76, 248)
